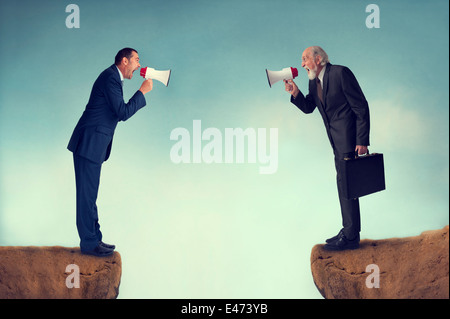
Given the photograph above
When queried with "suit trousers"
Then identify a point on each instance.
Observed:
(351, 218)
(87, 178)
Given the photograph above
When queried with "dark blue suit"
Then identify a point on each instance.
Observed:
(345, 113)
(91, 145)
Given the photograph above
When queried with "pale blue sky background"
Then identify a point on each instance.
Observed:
(219, 230)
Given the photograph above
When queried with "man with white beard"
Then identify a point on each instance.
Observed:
(334, 90)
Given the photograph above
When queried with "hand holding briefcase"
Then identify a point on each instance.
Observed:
(363, 175)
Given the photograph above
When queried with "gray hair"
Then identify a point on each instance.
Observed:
(318, 51)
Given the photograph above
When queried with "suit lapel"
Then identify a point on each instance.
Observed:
(325, 81)
(117, 75)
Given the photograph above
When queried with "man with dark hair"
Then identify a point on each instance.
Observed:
(92, 139)
(124, 53)
(334, 90)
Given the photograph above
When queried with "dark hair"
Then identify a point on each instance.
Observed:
(124, 53)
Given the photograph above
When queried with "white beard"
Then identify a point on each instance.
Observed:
(312, 74)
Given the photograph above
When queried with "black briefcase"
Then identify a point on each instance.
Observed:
(363, 175)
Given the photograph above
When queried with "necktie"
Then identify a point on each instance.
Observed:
(319, 90)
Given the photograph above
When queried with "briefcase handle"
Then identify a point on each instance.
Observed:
(357, 156)
(364, 155)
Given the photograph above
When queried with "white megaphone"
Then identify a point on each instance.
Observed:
(161, 76)
(284, 74)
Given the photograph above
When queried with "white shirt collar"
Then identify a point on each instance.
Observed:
(120, 73)
(321, 74)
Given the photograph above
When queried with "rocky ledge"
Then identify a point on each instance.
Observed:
(405, 268)
(57, 273)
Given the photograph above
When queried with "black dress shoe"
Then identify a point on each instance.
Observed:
(342, 243)
(105, 245)
(330, 240)
(98, 251)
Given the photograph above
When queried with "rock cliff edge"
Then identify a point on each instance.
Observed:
(57, 273)
(405, 268)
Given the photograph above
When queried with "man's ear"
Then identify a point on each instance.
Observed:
(124, 61)
(318, 59)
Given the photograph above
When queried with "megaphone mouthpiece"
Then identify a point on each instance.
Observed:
(161, 76)
(285, 74)
(294, 72)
